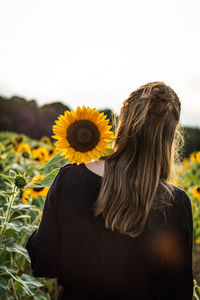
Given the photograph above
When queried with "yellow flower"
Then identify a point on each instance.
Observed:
(186, 164)
(19, 139)
(198, 156)
(25, 196)
(40, 216)
(175, 181)
(192, 205)
(196, 191)
(41, 154)
(198, 240)
(45, 140)
(82, 135)
(187, 181)
(22, 147)
(39, 191)
(193, 157)
(52, 152)
(179, 171)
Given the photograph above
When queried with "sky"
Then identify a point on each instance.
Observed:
(96, 52)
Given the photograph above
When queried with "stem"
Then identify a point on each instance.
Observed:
(7, 215)
(14, 290)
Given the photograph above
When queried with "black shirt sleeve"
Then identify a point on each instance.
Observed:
(43, 244)
(174, 280)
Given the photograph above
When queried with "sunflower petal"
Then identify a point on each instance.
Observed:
(78, 111)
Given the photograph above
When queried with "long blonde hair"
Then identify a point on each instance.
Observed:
(138, 170)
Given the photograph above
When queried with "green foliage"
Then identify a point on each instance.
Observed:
(20, 214)
(192, 140)
(54, 160)
(19, 219)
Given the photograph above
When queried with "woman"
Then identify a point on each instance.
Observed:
(117, 228)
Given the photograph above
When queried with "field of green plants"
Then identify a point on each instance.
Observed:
(24, 163)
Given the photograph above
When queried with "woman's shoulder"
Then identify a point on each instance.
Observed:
(75, 173)
(182, 200)
(70, 170)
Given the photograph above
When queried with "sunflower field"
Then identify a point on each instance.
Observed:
(27, 169)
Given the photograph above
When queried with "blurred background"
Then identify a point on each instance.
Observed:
(57, 55)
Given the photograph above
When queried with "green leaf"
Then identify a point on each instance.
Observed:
(15, 225)
(29, 231)
(31, 281)
(3, 283)
(39, 296)
(21, 206)
(19, 290)
(12, 173)
(47, 180)
(7, 240)
(2, 148)
(23, 284)
(8, 193)
(2, 247)
(6, 177)
(3, 294)
(21, 217)
(54, 160)
(32, 186)
(18, 249)
(5, 270)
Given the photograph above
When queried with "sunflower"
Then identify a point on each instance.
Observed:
(186, 163)
(196, 192)
(198, 156)
(40, 154)
(52, 152)
(19, 139)
(198, 240)
(83, 135)
(25, 196)
(193, 157)
(24, 147)
(45, 140)
(39, 191)
(175, 181)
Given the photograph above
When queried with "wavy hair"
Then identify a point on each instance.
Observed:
(138, 169)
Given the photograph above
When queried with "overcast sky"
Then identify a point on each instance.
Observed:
(96, 52)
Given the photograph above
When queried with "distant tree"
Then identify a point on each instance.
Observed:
(192, 140)
(48, 114)
(22, 116)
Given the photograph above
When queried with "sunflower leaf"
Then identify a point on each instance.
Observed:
(32, 186)
(54, 160)
(18, 249)
(45, 181)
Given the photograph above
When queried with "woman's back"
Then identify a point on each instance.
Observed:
(93, 262)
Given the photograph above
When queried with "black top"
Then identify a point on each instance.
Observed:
(92, 262)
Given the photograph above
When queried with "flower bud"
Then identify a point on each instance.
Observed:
(20, 182)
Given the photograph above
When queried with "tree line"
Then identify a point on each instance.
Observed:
(22, 116)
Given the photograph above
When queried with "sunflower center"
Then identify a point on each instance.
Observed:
(83, 135)
(198, 189)
(39, 189)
